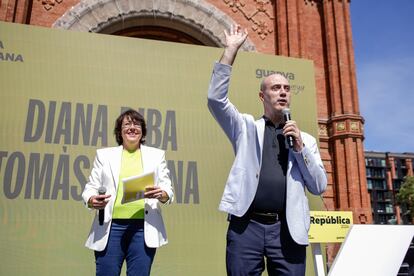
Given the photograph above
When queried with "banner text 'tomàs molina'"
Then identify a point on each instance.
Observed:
(52, 176)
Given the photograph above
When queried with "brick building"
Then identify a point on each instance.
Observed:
(385, 173)
(319, 30)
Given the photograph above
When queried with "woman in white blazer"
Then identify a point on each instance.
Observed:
(127, 231)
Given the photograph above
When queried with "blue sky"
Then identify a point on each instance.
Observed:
(383, 39)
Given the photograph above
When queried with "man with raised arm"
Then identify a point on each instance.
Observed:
(265, 191)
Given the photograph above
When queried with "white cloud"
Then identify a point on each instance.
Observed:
(386, 96)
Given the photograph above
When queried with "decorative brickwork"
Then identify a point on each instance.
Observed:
(322, 130)
(49, 4)
(260, 14)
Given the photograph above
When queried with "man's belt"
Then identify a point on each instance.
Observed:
(264, 218)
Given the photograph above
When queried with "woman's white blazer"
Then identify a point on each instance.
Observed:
(105, 172)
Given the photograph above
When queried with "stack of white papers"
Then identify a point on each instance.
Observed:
(134, 186)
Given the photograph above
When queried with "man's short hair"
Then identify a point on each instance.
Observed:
(262, 83)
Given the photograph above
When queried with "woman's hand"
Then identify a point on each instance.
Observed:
(157, 193)
(98, 201)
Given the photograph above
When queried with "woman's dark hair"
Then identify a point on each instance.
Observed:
(136, 118)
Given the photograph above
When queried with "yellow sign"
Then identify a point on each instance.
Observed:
(329, 226)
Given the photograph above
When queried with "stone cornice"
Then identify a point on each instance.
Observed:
(95, 15)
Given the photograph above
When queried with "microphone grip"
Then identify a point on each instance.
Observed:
(290, 141)
(289, 138)
(101, 216)
(101, 213)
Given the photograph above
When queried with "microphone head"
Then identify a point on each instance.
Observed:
(286, 111)
(101, 190)
(286, 114)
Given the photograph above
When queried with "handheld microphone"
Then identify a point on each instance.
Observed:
(101, 191)
(286, 116)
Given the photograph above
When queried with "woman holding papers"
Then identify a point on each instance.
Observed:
(127, 231)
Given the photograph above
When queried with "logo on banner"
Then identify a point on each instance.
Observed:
(290, 76)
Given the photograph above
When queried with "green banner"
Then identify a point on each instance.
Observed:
(61, 92)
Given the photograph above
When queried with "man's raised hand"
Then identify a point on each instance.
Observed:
(234, 40)
(235, 37)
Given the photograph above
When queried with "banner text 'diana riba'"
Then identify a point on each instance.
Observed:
(54, 176)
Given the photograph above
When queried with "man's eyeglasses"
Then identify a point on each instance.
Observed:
(278, 87)
(131, 125)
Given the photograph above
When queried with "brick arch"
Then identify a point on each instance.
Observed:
(196, 18)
